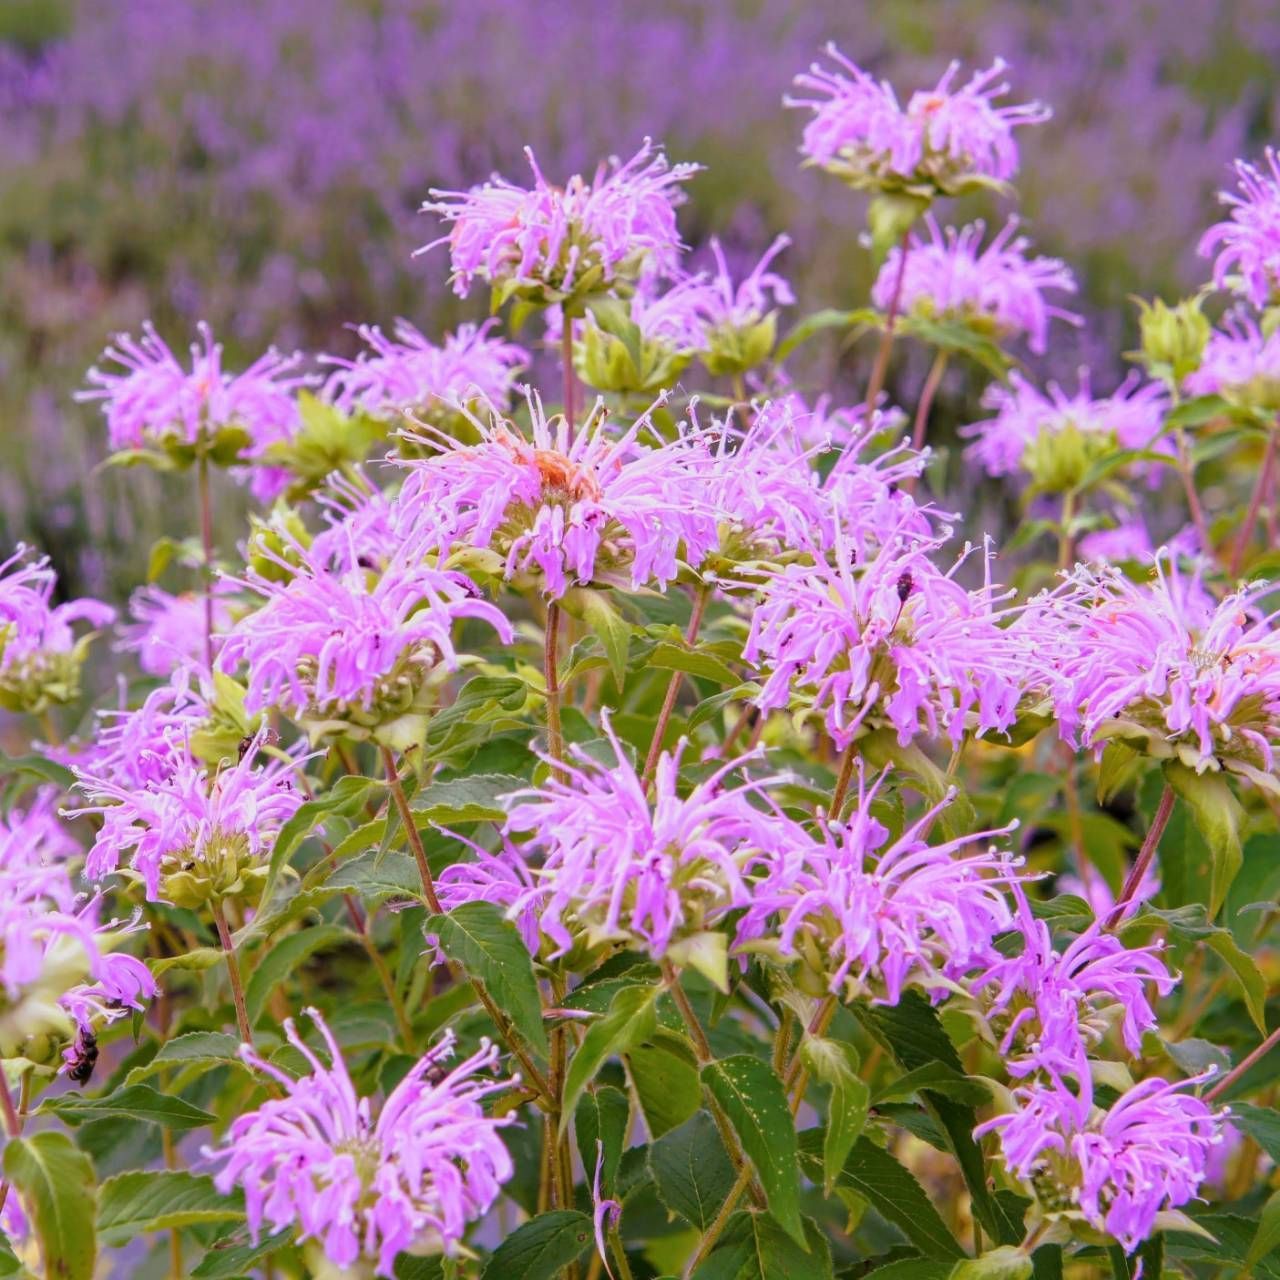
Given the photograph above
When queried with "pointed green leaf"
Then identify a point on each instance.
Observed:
(285, 956)
(674, 657)
(692, 1171)
(664, 1072)
(542, 1247)
(632, 1017)
(835, 1064)
(1217, 815)
(55, 1180)
(196, 1048)
(132, 1204)
(600, 1125)
(755, 1247)
(133, 1102)
(478, 797)
(751, 1095)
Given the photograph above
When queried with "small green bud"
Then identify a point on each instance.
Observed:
(1173, 338)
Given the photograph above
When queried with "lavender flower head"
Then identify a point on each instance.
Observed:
(1117, 1169)
(1248, 242)
(1052, 1007)
(167, 631)
(40, 654)
(891, 641)
(867, 915)
(945, 140)
(1240, 365)
(408, 374)
(196, 833)
(58, 972)
(567, 512)
(368, 1186)
(154, 402)
(654, 875)
(1054, 437)
(346, 648)
(740, 321)
(998, 290)
(1165, 666)
(550, 243)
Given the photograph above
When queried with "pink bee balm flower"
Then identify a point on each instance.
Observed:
(1248, 243)
(408, 374)
(1240, 365)
(504, 879)
(1117, 1168)
(892, 639)
(872, 914)
(570, 511)
(1165, 664)
(944, 138)
(1053, 436)
(335, 641)
(40, 654)
(167, 631)
(1057, 1005)
(623, 869)
(581, 236)
(156, 401)
(365, 1185)
(999, 287)
(728, 306)
(194, 833)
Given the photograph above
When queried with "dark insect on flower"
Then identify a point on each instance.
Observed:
(84, 1058)
(906, 584)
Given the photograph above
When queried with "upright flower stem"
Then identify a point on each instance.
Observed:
(532, 1075)
(881, 366)
(847, 761)
(1066, 542)
(1249, 1060)
(551, 673)
(1133, 882)
(206, 540)
(931, 384)
(566, 365)
(233, 973)
(1260, 491)
(673, 688)
(1193, 497)
(12, 1128)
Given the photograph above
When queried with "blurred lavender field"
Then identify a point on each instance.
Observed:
(259, 164)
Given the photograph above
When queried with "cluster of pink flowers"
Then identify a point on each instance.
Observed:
(1240, 364)
(367, 1186)
(944, 135)
(1248, 243)
(950, 277)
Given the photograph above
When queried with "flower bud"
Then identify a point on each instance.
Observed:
(1173, 338)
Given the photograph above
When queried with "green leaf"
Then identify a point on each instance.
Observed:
(55, 1180)
(890, 216)
(934, 1077)
(229, 1262)
(835, 1064)
(132, 1204)
(1262, 1124)
(664, 1072)
(756, 1247)
(1268, 1236)
(610, 627)
(892, 1190)
(1006, 1263)
(285, 956)
(196, 1048)
(692, 1171)
(133, 1102)
(488, 947)
(540, 1248)
(600, 1125)
(1120, 763)
(912, 1269)
(475, 798)
(751, 1095)
(1218, 816)
(1253, 986)
(820, 322)
(674, 657)
(632, 1017)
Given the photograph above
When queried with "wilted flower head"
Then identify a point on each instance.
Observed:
(408, 374)
(1248, 243)
(1240, 365)
(167, 631)
(196, 833)
(891, 640)
(40, 655)
(155, 402)
(654, 875)
(552, 243)
(367, 1187)
(1166, 665)
(57, 973)
(945, 139)
(868, 914)
(1054, 437)
(346, 647)
(997, 289)
(1051, 1007)
(568, 510)
(1116, 1168)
